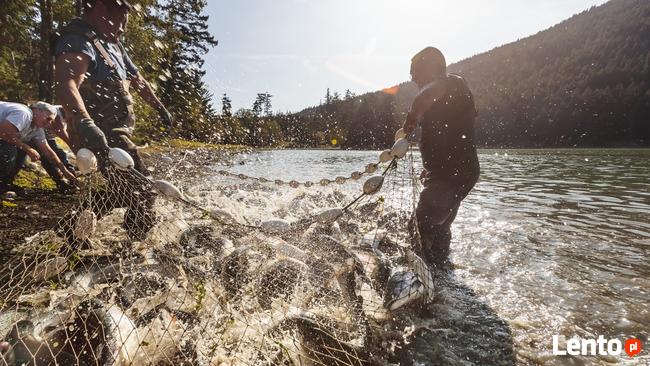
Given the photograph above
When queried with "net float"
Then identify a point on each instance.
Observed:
(168, 189)
(373, 184)
(275, 226)
(120, 158)
(386, 156)
(328, 216)
(356, 175)
(400, 148)
(86, 161)
(371, 168)
(400, 134)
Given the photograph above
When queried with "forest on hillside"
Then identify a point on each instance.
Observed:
(583, 82)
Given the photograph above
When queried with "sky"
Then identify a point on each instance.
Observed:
(296, 49)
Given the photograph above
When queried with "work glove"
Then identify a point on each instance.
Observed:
(165, 117)
(92, 137)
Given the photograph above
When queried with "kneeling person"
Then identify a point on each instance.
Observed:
(21, 134)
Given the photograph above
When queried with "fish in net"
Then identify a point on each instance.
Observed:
(142, 274)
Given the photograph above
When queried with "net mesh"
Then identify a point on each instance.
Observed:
(139, 276)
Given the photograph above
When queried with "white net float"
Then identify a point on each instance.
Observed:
(120, 158)
(86, 161)
(371, 168)
(400, 134)
(373, 184)
(385, 156)
(275, 226)
(328, 216)
(400, 148)
(168, 189)
(86, 225)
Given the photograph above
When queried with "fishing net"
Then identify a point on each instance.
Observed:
(243, 270)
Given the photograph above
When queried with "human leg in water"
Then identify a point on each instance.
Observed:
(436, 211)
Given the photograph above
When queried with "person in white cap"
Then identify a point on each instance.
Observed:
(22, 134)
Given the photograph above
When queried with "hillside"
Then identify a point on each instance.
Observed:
(583, 82)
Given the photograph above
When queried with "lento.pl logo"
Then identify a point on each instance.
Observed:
(600, 346)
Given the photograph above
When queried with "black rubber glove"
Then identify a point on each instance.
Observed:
(165, 117)
(92, 137)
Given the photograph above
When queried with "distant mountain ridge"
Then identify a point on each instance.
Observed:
(583, 82)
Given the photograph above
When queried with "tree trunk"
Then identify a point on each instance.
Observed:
(46, 69)
(78, 7)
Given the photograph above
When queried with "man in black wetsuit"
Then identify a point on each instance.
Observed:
(445, 109)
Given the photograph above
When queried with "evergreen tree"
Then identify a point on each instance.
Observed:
(328, 97)
(258, 104)
(187, 40)
(226, 106)
(268, 108)
(46, 69)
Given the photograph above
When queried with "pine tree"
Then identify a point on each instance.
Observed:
(187, 39)
(328, 97)
(46, 69)
(268, 108)
(226, 106)
(258, 104)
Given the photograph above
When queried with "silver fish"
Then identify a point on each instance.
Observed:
(403, 288)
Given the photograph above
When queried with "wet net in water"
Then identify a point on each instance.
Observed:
(141, 274)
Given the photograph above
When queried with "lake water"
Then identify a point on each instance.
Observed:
(550, 242)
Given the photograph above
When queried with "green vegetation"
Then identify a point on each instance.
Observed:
(583, 82)
(34, 179)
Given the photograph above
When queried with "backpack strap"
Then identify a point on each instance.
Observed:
(90, 35)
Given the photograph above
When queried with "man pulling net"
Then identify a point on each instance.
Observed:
(93, 75)
(445, 109)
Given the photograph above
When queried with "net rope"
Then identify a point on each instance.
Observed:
(137, 276)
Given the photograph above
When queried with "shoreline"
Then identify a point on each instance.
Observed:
(42, 205)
